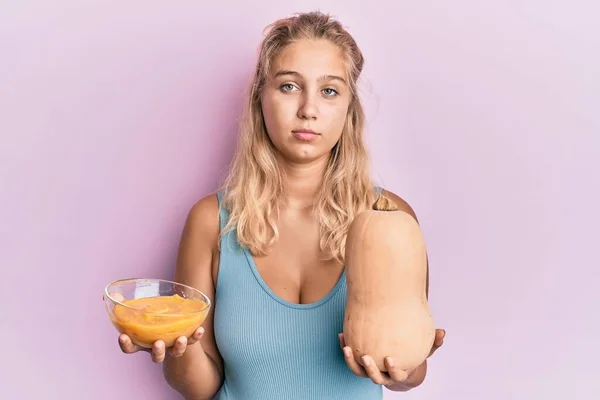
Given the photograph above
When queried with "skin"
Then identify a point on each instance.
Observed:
(306, 89)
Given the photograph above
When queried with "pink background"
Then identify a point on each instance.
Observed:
(115, 117)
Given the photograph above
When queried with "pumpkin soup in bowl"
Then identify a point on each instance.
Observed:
(148, 310)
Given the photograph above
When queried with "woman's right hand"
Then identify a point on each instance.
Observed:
(158, 350)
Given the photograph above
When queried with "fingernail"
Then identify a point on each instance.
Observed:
(202, 331)
(390, 361)
(366, 361)
(347, 352)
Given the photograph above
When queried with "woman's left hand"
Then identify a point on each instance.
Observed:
(393, 374)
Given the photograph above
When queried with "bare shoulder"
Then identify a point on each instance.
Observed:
(401, 203)
(203, 218)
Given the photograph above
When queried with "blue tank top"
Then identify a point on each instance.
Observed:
(273, 349)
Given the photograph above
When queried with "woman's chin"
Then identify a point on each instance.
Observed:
(304, 154)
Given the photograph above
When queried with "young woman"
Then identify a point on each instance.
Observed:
(268, 248)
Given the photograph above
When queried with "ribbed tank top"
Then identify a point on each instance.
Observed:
(273, 349)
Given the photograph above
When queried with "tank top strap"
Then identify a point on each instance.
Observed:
(229, 253)
(229, 241)
(223, 213)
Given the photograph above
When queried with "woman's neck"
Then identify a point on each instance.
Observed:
(303, 181)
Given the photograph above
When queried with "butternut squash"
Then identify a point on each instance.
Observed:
(387, 311)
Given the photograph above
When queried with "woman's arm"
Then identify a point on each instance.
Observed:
(198, 373)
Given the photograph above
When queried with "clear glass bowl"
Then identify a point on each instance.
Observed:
(148, 310)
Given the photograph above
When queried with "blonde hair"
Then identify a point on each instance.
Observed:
(255, 186)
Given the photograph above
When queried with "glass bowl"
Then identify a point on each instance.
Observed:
(148, 310)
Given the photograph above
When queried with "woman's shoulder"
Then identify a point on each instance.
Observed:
(203, 218)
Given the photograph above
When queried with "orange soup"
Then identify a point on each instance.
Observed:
(166, 318)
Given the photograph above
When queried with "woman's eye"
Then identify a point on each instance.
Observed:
(330, 92)
(286, 87)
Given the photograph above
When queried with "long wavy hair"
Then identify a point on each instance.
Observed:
(255, 187)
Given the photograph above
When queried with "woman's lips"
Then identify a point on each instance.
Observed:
(305, 135)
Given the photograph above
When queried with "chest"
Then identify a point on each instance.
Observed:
(253, 325)
(296, 270)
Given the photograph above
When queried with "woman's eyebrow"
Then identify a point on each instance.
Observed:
(321, 78)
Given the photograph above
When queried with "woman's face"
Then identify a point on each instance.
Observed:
(305, 100)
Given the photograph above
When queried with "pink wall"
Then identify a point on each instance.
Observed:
(116, 116)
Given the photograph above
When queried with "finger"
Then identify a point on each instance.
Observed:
(438, 341)
(374, 373)
(433, 349)
(440, 334)
(352, 364)
(342, 341)
(179, 347)
(158, 351)
(126, 345)
(196, 336)
(396, 374)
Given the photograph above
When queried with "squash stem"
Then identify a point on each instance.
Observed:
(384, 203)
